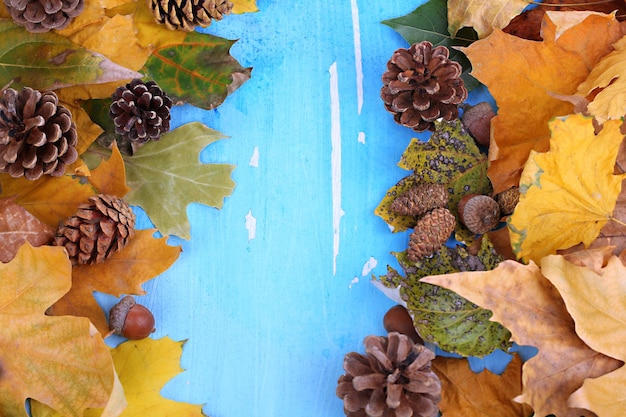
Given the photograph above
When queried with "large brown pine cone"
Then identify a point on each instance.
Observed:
(37, 134)
(99, 229)
(420, 198)
(140, 111)
(44, 15)
(430, 233)
(392, 379)
(187, 14)
(421, 85)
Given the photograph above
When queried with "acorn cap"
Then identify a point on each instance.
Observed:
(507, 200)
(479, 213)
(118, 313)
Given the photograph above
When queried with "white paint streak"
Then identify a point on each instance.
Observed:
(369, 266)
(361, 137)
(355, 280)
(335, 138)
(251, 225)
(254, 159)
(358, 60)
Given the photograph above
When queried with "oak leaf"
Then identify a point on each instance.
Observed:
(595, 300)
(59, 361)
(143, 258)
(18, 226)
(568, 193)
(465, 393)
(524, 301)
(482, 15)
(521, 76)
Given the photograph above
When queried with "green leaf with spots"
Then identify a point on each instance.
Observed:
(429, 22)
(199, 71)
(46, 61)
(441, 316)
(449, 157)
(167, 175)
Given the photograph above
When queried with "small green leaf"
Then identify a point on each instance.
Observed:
(441, 316)
(200, 71)
(165, 176)
(45, 61)
(450, 157)
(429, 22)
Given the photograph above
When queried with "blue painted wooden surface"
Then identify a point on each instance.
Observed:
(269, 310)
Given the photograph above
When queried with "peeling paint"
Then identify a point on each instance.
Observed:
(358, 59)
(369, 266)
(355, 280)
(361, 137)
(335, 137)
(254, 159)
(250, 225)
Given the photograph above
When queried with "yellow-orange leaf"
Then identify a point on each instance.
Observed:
(244, 6)
(142, 259)
(482, 15)
(59, 361)
(610, 75)
(567, 194)
(521, 75)
(110, 176)
(527, 304)
(465, 393)
(595, 299)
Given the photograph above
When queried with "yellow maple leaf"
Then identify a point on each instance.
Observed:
(524, 301)
(482, 15)
(60, 361)
(595, 300)
(110, 176)
(523, 75)
(567, 194)
(610, 75)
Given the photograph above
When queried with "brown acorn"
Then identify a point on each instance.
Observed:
(398, 319)
(131, 320)
(479, 213)
(477, 121)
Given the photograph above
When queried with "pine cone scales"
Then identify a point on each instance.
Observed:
(140, 111)
(44, 15)
(430, 233)
(99, 229)
(421, 85)
(420, 199)
(37, 134)
(392, 379)
(187, 14)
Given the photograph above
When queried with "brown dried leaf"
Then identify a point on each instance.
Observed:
(18, 226)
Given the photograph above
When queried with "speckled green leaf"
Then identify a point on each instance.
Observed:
(47, 61)
(449, 157)
(200, 71)
(429, 22)
(441, 316)
(167, 175)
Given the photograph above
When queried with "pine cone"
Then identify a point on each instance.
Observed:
(44, 15)
(187, 14)
(430, 233)
(507, 200)
(421, 85)
(99, 229)
(393, 378)
(420, 199)
(37, 134)
(140, 111)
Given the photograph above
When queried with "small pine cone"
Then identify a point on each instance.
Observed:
(187, 14)
(421, 85)
(99, 229)
(393, 378)
(430, 233)
(37, 134)
(44, 15)
(479, 213)
(507, 200)
(140, 111)
(420, 199)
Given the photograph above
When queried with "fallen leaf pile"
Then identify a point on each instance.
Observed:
(552, 274)
(52, 333)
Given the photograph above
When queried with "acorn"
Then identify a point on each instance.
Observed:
(477, 121)
(398, 319)
(479, 213)
(131, 320)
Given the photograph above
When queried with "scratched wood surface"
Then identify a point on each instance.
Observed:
(273, 290)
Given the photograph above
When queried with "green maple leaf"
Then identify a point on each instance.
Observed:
(441, 316)
(450, 157)
(167, 175)
(46, 61)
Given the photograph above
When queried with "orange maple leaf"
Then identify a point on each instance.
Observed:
(522, 75)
